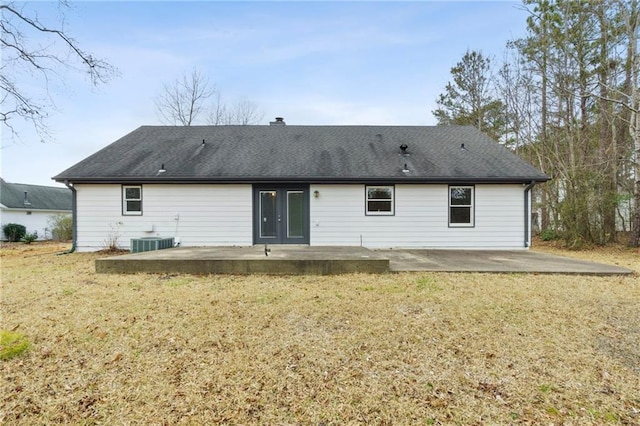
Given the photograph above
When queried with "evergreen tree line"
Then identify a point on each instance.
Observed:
(566, 98)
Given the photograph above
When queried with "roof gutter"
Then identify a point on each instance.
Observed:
(74, 216)
(527, 213)
(305, 179)
(22, 209)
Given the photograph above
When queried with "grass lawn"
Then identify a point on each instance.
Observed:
(409, 348)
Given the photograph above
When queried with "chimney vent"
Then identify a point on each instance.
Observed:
(279, 122)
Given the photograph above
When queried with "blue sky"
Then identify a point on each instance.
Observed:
(309, 62)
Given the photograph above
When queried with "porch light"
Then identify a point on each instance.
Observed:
(316, 193)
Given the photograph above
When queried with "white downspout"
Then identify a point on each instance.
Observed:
(527, 213)
(74, 222)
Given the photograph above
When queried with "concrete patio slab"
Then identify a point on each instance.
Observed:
(496, 261)
(292, 259)
(280, 259)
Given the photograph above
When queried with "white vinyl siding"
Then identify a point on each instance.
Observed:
(210, 215)
(38, 221)
(421, 218)
(198, 215)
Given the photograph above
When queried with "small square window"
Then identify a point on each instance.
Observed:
(132, 200)
(461, 206)
(379, 200)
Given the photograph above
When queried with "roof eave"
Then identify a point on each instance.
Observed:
(305, 179)
(35, 209)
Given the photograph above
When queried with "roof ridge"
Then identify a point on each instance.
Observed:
(200, 126)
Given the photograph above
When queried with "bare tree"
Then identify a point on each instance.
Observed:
(631, 19)
(244, 112)
(218, 114)
(579, 124)
(192, 98)
(184, 100)
(19, 26)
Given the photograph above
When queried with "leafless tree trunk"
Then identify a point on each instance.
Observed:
(632, 26)
(192, 98)
(183, 101)
(244, 112)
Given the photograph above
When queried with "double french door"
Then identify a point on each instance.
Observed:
(281, 215)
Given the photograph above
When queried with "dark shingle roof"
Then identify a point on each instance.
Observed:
(12, 195)
(303, 154)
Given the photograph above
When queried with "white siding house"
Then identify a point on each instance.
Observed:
(442, 187)
(32, 206)
(221, 215)
(198, 215)
(420, 220)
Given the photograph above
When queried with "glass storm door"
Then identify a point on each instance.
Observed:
(281, 215)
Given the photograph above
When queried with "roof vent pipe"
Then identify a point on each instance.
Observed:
(403, 148)
(279, 122)
(26, 199)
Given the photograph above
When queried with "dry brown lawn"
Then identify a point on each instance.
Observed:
(410, 348)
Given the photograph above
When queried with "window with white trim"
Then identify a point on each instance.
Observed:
(461, 206)
(132, 200)
(379, 200)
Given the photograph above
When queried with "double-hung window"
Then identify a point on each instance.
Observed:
(132, 200)
(379, 200)
(461, 206)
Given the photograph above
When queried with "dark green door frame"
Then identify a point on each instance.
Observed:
(281, 214)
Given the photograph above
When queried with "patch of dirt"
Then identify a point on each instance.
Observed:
(113, 252)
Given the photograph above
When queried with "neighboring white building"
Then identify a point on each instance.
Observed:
(446, 187)
(32, 206)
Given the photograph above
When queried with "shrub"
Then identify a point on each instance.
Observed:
(549, 235)
(112, 242)
(61, 227)
(29, 238)
(14, 232)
